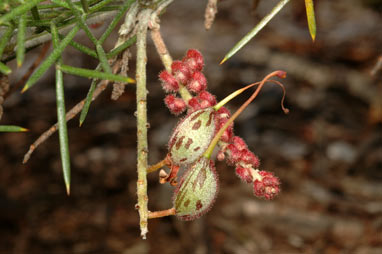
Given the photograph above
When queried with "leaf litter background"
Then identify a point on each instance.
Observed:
(327, 151)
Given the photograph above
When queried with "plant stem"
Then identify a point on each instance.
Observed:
(157, 166)
(141, 97)
(165, 56)
(163, 213)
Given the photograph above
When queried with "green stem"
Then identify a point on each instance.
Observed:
(215, 140)
(141, 97)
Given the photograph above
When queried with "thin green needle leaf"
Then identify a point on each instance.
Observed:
(20, 50)
(21, 9)
(56, 53)
(115, 21)
(5, 69)
(85, 5)
(61, 115)
(89, 98)
(61, 3)
(103, 59)
(87, 73)
(122, 47)
(35, 14)
(80, 18)
(311, 18)
(99, 5)
(255, 30)
(5, 39)
(12, 128)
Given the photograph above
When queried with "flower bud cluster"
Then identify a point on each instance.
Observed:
(188, 73)
(235, 151)
(184, 144)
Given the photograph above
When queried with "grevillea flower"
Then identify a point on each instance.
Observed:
(207, 124)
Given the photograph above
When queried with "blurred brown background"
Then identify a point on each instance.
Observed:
(327, 151)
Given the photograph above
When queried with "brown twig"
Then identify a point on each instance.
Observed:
(161, 164)
(163, 213)
(69, 115)
(210, 13)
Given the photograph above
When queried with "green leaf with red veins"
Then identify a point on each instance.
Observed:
(197, 190)
(192, 136)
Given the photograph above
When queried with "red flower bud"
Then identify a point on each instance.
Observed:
(181, 71)
(228, 133)
(220, 156)
(169, 83)
(194, 104)
(244, 174)
(206, 99)
(223, 113)
(174, 104)
(233, 154)
(239, 143)
(194, 60)
(198, 82)
(247, 157)
(268, 187)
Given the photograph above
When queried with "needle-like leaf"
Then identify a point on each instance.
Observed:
(87, 73)
(311, 18)
(12, 128)
(89, 98)
(51, 59)
(20, 50)
(61, 114)
(4, 69)
(255, 30)
(21, 9)
(115, 21)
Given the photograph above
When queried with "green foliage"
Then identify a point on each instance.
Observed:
(37, 22)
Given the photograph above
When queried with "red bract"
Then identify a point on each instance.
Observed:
(197, 83)
(169, 83)
(268, 187)
(194, 60)
(180, 71)
(175, 105)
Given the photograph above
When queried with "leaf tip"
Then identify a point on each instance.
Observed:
(24, 89)
(67, 189)
(130, 80)
(24, 129)
(223, 61)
